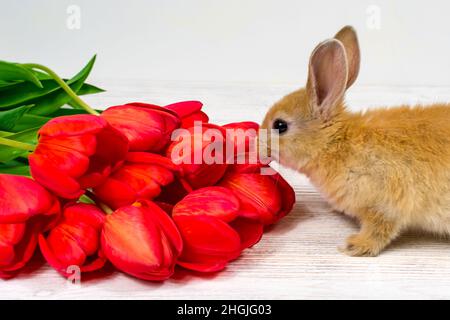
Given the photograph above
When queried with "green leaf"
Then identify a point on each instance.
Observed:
(19, 169)
(86, 199)
(29, 121)
(87, 88)
(6, 84)
(9, 118)
(52, 102)
(27, 136)
(26, 93)
(68, 112)
(13, 71)
(42, 75)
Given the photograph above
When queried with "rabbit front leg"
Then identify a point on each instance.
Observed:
(376, 233)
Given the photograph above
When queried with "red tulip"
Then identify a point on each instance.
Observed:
(214, 201)
(266, 198)
(141, 177)
(209, 242)
(189, 112)
(142, 240)
(26, 209)
(75, 241)
(148, 127)
(200, 156)
(243, 136)
(250, 231)
(75, 153)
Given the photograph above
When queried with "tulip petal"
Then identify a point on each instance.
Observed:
(24, 250)
(258, 194)
(115, 193)
(85, 213)
(287, 195)
(72, 125)
(200, 155)
(75, 240)
(96, 264)
(111, 150)
(12, 233)
(185, 108)
(7, 254)
(152, 158)
(147, 127)
(189, 112)
(214, 201)
(137, 240)
(250, 231)
(22, 198)
(84, 144)
(208, 241)
(61, 252)
(168, 226)
(207, 267)
(190, 120)
(145, 180)
(61, 184)
(203, 175)
(57, 158)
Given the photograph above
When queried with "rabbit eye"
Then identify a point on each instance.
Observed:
(280, 125)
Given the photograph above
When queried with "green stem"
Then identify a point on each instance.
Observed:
(16, 144)
(105, 208)
(63, 85)
(100, 204)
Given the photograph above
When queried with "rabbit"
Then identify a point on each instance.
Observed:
(387, 167)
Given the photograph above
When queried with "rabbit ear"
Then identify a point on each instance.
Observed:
(327, 77)
(347, 35)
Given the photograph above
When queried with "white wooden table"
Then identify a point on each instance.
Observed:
(297, 258)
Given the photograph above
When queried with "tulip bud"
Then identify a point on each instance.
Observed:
(75, 241)
(142, 240)
(265, 198)
(141, 177)
(200, 153)
(243, 136)
(26, 209)
(75, 153)
(148, 127)
(189, 112)
(209, 243)
(221, 203)
(213, 201)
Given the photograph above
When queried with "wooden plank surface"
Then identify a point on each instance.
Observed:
(297, 258)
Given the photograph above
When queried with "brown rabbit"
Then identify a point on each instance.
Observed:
(389, 168)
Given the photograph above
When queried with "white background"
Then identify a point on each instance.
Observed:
(238, 57)
(234, 40)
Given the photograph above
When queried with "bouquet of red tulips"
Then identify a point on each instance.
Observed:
(142, 186)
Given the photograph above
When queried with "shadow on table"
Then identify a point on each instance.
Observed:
(413, 239)
(38, 262)
(300, 213)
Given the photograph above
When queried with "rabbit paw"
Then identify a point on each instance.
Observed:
(358, 245)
